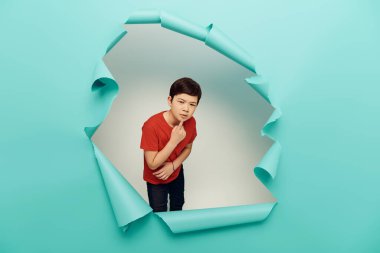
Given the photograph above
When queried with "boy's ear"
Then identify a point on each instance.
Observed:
(169, 100)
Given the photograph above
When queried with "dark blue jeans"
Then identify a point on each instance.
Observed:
(158, 194)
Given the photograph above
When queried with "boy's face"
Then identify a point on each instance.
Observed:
(183, 106)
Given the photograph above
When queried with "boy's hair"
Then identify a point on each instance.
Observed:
(186, 85)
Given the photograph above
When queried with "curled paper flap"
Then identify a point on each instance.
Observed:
(191, 220)
(269, 162)
(126, 203)
(150, 16)
(183, 26)
(115, 41)
(217, 40)
(276, 114)
(259, 85)
(105, 88)
(212, 36)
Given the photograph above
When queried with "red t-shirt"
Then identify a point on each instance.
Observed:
(156, 134)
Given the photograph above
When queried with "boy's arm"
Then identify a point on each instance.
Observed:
(155, 159)
(183, 156)
(167, 170)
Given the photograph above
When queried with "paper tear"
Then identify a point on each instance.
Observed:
(126, 203)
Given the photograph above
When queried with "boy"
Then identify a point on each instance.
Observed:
(167, 139)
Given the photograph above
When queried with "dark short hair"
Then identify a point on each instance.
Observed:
(186, 85)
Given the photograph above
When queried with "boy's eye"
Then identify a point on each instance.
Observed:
(181, 102)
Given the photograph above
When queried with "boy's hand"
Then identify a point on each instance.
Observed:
(178, 133)
(165, 172)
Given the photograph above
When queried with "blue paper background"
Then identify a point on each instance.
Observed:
(320, 60)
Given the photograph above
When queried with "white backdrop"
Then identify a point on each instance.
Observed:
(219, 170)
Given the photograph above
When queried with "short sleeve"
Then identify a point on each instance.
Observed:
(194, 132)
(149, 138)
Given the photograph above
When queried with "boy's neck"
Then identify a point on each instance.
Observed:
(170, 119)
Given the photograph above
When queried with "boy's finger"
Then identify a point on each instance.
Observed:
(160, 174)
(180, 124)
(157, 176)
(157, 172)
